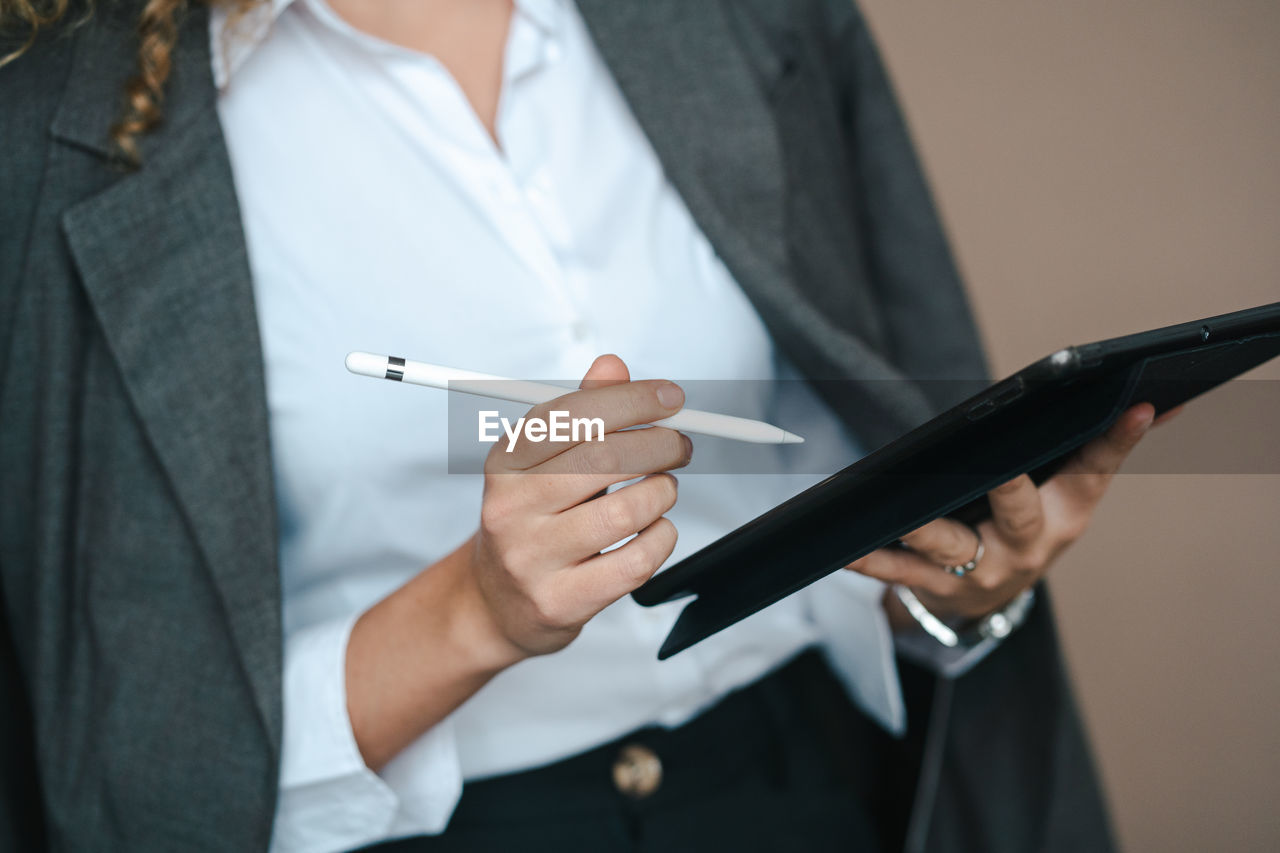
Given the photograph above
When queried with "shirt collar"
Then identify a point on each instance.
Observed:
(232, 43)
(545, 14)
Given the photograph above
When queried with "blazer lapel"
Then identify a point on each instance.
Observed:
(699, 100)
(163, 260)
(698, 77)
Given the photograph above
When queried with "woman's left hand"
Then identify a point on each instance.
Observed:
(1029, 527)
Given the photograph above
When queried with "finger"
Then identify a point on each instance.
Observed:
(587, 470)
(620, 456)
(585, 530)
(1017, 513)
(1085, 477)
(571, 477)
(616, 406)
(605, 370)
(607, 577)
(892, 565)
(944, 541)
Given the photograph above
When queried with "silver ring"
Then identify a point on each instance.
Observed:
(964, 569)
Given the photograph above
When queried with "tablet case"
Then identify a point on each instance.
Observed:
(1031, 422)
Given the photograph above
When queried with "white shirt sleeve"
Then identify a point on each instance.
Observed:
(860, 646)
(329, 799)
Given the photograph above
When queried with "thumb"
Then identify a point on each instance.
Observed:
(605, 370)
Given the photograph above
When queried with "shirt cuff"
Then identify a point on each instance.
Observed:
(329, 799)
(858, 644)
(949, 662)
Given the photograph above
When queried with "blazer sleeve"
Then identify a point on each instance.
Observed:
(30, 90)
(931, 332)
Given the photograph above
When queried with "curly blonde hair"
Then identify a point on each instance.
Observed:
(157, 30)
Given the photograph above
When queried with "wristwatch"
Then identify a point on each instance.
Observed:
(994, 626)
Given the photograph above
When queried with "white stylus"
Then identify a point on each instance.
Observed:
(534, 393)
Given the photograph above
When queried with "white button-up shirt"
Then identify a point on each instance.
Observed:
(379, 215)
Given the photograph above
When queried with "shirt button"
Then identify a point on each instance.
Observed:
(637, 772)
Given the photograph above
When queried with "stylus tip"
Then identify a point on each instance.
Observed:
(791, 438)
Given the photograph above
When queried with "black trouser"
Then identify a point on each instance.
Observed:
(787, 764)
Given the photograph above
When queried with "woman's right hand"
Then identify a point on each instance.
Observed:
(532, 575)
(536, 559)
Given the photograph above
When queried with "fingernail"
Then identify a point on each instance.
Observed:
(670, 395)
(688, 448)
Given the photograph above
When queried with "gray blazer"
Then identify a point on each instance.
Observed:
(140, 656)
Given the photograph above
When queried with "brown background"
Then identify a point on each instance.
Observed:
(1104, 167)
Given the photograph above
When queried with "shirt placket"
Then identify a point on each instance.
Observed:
(532, 53)
(423, 100)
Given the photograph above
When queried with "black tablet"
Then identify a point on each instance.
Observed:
(1030, 422)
